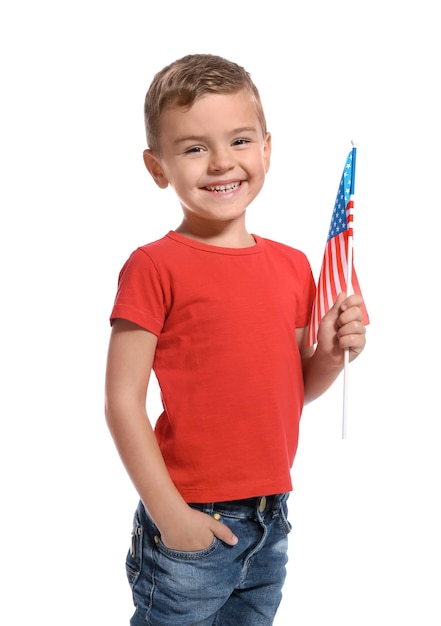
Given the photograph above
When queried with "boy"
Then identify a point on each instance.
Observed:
(221, 316)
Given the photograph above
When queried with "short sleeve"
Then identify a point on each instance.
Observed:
(307, 296)
(139, 298)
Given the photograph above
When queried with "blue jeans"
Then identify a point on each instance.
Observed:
(221, 585)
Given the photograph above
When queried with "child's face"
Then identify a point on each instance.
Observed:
(214, 155)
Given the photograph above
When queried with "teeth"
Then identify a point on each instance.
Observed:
(224, 188)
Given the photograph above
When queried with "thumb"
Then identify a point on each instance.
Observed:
(335, 310)
(329, 323)
(222, 532)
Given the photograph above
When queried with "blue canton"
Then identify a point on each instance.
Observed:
(338, 220)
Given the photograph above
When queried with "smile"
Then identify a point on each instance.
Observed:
(224, 188)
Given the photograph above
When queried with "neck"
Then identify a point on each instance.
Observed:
(224, 237)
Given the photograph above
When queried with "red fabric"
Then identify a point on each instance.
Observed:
(227, 360)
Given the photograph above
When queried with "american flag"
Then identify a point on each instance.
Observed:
(337, 259)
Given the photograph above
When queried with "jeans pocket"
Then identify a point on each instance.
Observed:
(134, 555)
(182, 555)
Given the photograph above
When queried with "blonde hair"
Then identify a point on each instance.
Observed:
(187, 79)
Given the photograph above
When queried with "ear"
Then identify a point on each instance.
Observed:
(154, 167)
(267, 151)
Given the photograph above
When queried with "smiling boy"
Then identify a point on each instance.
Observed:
(220, 315)
(215, 168)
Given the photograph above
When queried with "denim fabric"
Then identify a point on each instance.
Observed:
(220, 586)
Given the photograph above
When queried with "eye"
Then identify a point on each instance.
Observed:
(193, 150)
(241, 141)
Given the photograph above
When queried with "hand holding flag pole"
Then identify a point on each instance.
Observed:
(337, 273)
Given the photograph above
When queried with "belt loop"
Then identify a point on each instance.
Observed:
(261, 504)
(209, 508)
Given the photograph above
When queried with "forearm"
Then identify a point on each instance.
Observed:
(319, 373)
(140, 453)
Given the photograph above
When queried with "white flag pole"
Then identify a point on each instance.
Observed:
(346, 356)
(349, 290)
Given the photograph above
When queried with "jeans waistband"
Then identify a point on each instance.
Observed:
(247, 507)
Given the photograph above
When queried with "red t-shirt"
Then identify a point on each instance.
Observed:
(227, 361)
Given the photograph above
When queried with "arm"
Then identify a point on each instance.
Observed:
(342, 327)
(129, 364)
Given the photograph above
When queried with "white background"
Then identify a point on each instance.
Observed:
(75, 201)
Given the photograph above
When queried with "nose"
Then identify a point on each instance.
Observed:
(221, 160)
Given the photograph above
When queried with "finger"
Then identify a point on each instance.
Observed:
(223, 533)
(355, 300)
(352, 335)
